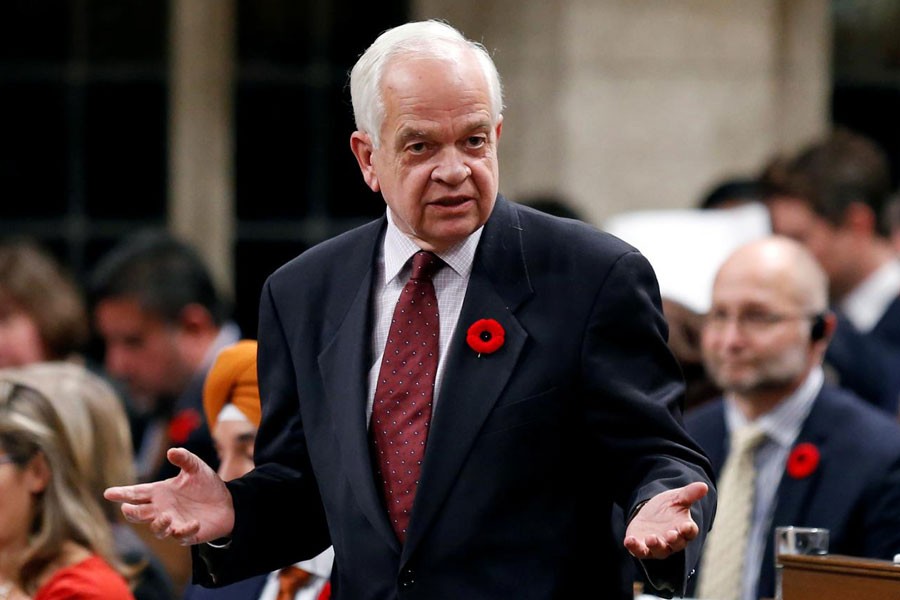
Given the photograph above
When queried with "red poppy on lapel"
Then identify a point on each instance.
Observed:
(183, 424)
(485, 336)
(803, 460)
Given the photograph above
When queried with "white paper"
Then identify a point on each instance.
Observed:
(686, 247)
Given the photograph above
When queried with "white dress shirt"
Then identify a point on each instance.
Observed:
(391, 275)
(867, 303)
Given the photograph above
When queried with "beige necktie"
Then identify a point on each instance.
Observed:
(722, 564)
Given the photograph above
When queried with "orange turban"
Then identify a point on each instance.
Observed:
(232, 379)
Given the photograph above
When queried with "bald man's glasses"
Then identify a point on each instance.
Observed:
(752, 321)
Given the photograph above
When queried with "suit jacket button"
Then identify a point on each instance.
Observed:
(407, 578)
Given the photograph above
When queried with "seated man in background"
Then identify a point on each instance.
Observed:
(162, 321)
(232, 407)
(787, 448)
(831, 197)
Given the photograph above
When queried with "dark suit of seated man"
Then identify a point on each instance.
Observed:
(825, 459)
(547, 391)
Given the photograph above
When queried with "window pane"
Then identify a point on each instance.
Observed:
(33, 149)
(125, 149)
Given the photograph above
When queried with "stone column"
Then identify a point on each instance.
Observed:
(201, 190)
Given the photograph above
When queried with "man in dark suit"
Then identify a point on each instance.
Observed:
(826, 458)
(832, 198)
(553, 397)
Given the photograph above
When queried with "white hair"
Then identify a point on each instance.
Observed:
(422, 37)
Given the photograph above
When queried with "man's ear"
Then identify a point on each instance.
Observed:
(37, 474)
(363, 149)
(860, 217)
(195, 318)
(498, 128)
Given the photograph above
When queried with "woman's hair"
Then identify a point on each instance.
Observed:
(67, 509)
(102, 448)
(31, 281)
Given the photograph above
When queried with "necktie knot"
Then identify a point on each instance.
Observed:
(746, 439)
(425, 265)
(290, 580)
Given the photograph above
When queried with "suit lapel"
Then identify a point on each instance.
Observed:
(344, 367)
(471, 384)
(793, 499)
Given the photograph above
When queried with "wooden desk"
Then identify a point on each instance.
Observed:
(837, 577)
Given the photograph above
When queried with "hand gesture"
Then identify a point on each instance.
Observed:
(664, 525)
(192, 507)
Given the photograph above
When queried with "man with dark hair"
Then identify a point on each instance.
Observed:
(831, 198)
(162, 320)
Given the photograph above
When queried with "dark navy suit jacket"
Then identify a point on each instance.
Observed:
(854, 492)
(529, 446)
(247, 589)
(869, 363)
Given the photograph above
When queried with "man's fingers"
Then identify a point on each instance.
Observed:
(689, 530)
(187, 534)
(133, 494)
(184, 459)
(692, 492)
(139, 513)
(637, 548)
(160, 526)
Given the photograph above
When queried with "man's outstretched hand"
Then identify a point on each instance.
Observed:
(663, 526)
(192, 507)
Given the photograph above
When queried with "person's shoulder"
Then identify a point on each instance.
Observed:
(349, 246)
(856, 422)
(90, 579)
(559, 241)
(701, 418)
(568, 231)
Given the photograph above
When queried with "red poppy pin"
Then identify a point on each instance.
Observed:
(183, 424)
(485, 336)
(803, 461)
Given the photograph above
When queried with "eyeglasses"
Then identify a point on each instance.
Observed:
(752, 321)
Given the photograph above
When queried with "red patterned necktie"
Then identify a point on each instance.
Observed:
(401, 412)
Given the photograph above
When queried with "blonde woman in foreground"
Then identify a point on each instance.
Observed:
(55, 542)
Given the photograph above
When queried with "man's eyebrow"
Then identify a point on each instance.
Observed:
(406, 135)
(247, 437)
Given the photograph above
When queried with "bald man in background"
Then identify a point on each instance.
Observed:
(825, 457)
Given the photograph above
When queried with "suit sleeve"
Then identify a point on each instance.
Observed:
(279, 518)
(635, 403)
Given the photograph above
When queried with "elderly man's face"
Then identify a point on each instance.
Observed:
(437, 164)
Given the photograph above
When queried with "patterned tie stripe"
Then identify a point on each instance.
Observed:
(401, 412)
(722, 564)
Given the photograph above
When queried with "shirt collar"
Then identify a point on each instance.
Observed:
(399, 248)
(867, 303)
(783, 423)
(320, 564)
